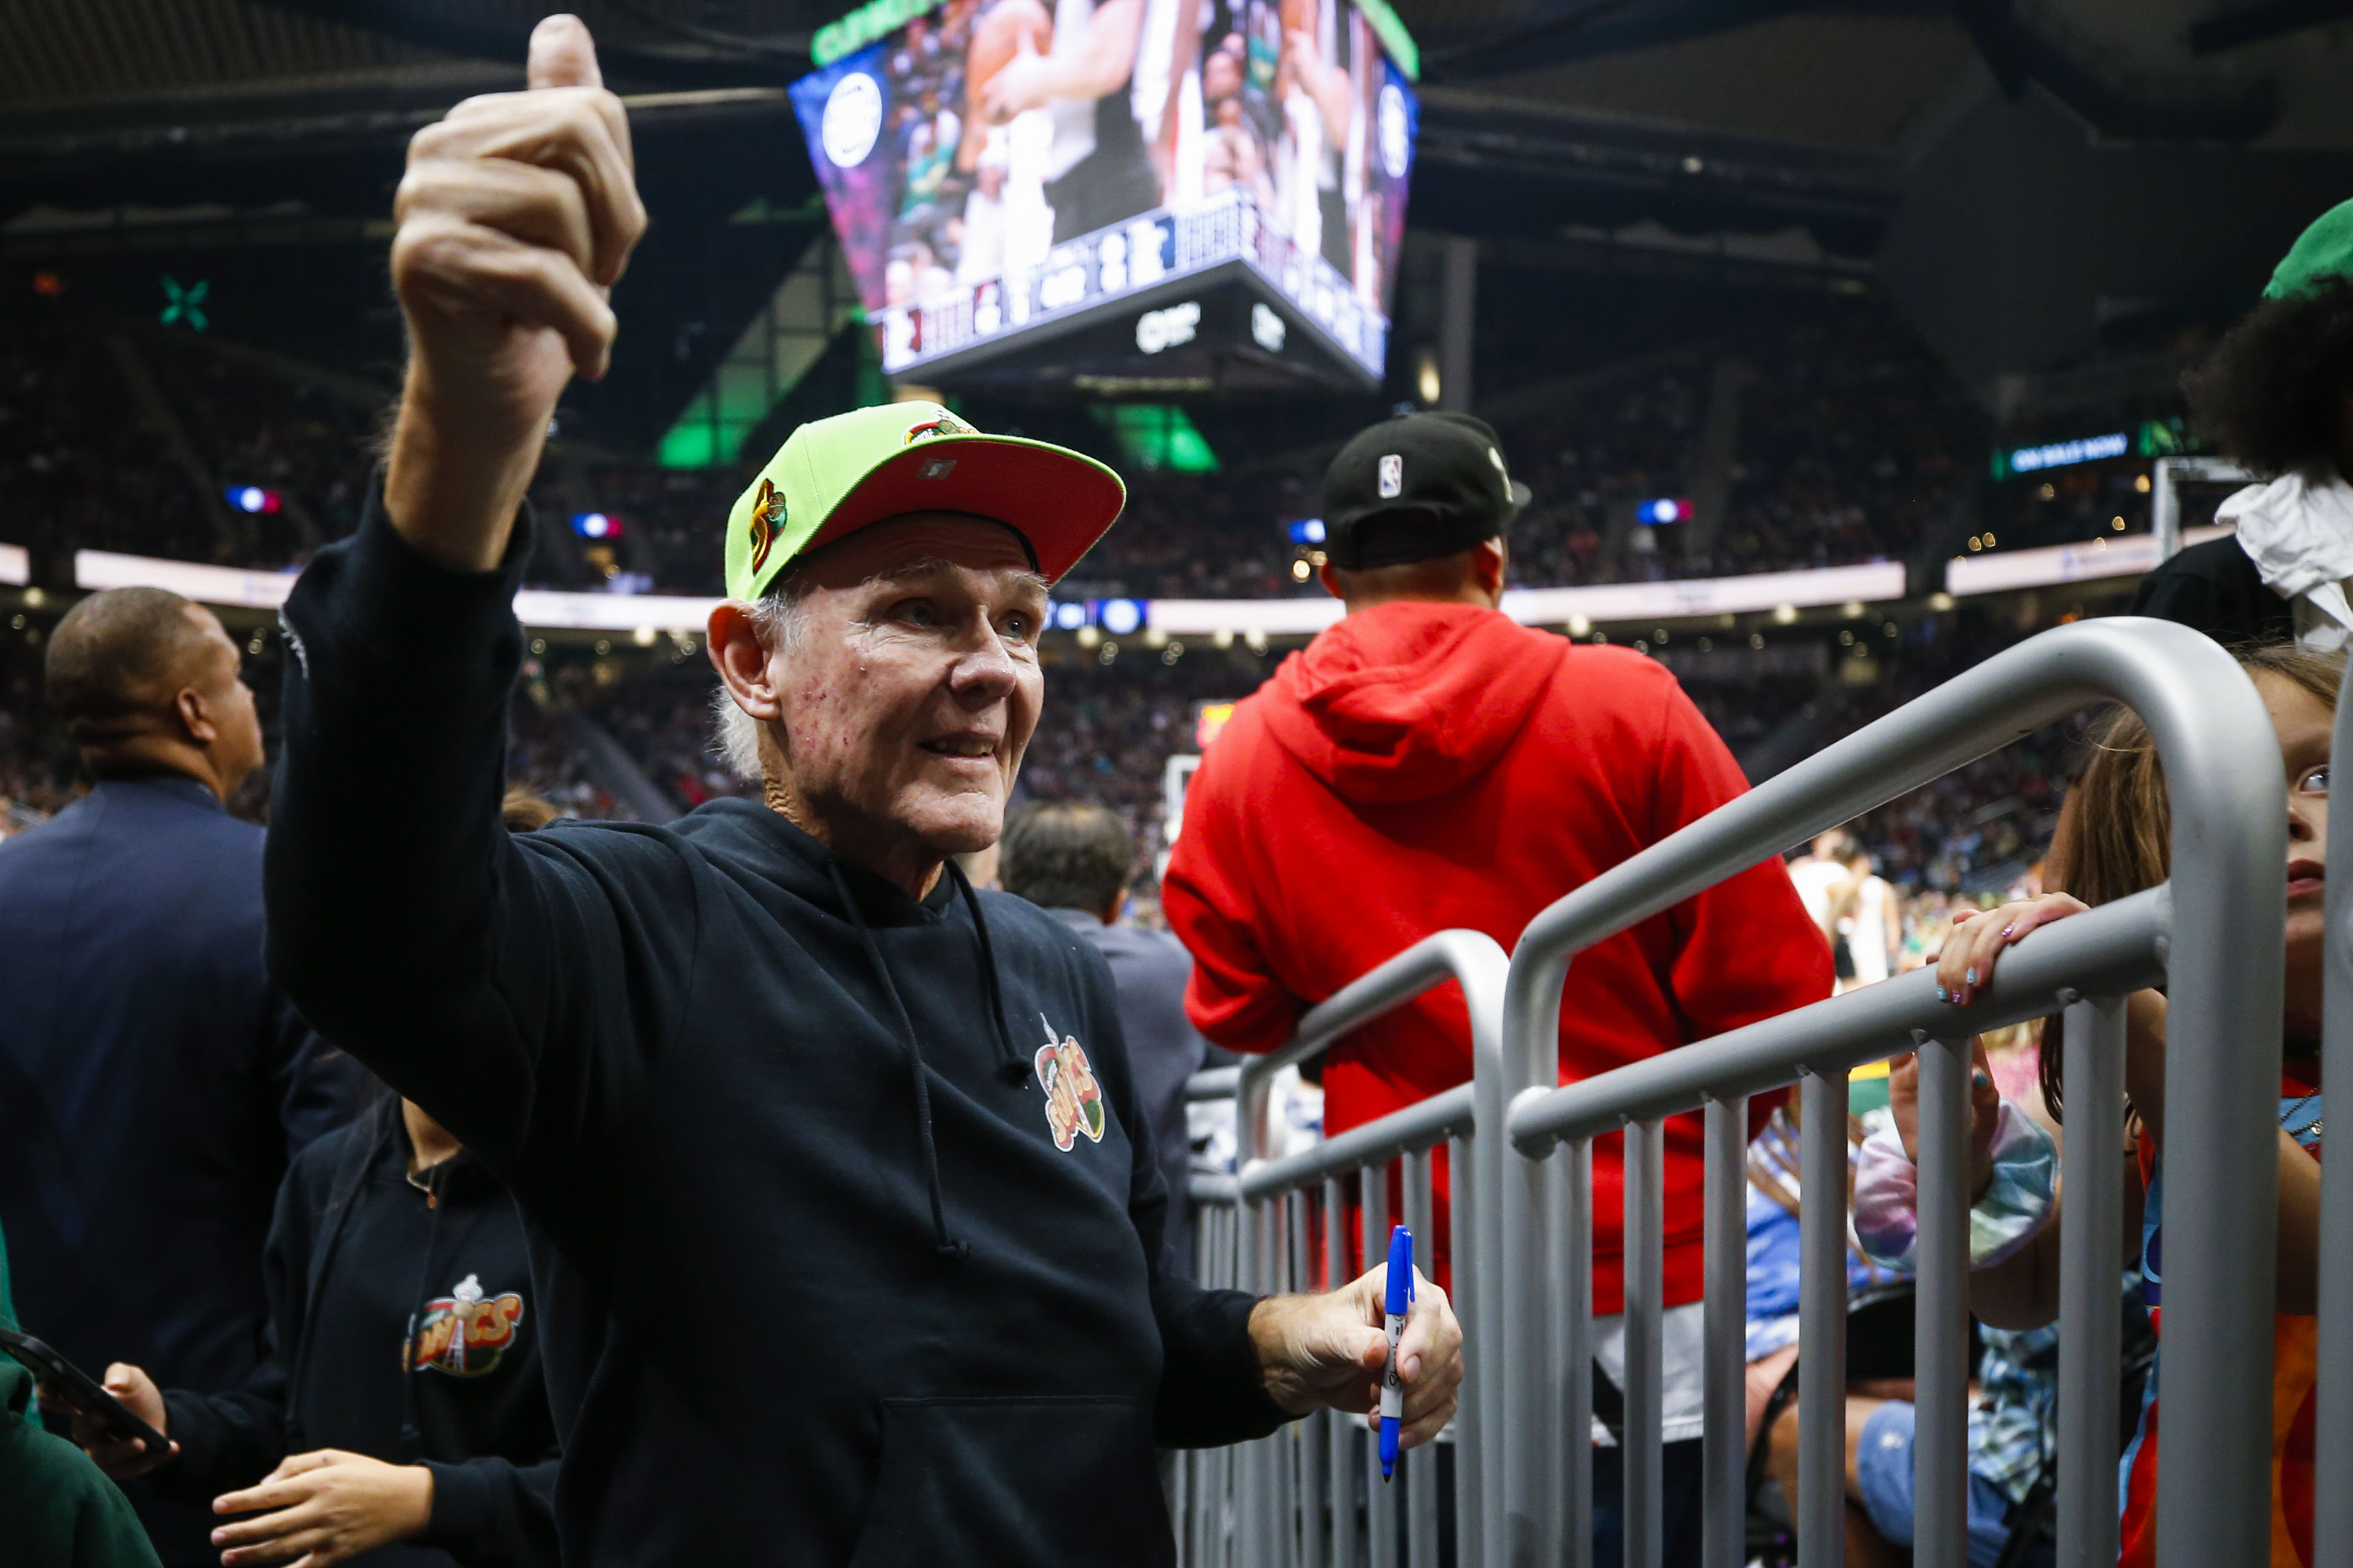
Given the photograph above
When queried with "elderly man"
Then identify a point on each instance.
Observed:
(849, 1240)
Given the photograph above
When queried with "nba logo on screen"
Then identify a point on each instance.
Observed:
(1392, 477)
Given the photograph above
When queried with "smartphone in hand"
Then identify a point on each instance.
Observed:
(71, 1387)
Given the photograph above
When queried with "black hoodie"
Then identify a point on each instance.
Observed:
(357, 1260)
(829, 1273)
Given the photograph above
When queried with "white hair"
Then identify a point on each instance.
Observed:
(736, 734)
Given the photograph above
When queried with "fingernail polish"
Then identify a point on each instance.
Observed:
(1971, 977)
(2010, 928)
(1940, 993)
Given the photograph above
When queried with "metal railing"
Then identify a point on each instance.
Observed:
(2217, 946)
(1294, 1495)
(1524, 1220)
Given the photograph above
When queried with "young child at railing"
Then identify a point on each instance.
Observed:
(2112, 841)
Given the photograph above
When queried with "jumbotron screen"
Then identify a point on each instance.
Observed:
(1002, 171)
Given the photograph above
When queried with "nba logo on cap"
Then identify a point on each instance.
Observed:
(1392, 477)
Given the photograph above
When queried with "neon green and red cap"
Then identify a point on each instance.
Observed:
(833, 477)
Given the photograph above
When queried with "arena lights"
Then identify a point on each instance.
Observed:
(1666, 508)
(253, 497)
(1305, 530)
(2060, 454)
(595, 525)
(187, 305)
(1093, 618)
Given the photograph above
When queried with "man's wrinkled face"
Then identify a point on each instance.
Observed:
(911, 687)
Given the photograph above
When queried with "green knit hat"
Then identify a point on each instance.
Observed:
(833, 477)
(2324, 250)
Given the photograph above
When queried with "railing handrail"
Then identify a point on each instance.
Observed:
(1210, 1187)
(1447, 1114)
(2145, 664)
(1472, 958)
(2117, 948)
(1213, 1083)
(2225, 958)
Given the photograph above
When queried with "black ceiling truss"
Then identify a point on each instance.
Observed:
(700, 57)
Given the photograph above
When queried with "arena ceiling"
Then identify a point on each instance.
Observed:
(1599, 134)
(1865, 77)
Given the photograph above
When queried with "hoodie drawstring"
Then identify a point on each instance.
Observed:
(351, 1175)
(409, 1433)
(1012, 1066)
(948, 1244)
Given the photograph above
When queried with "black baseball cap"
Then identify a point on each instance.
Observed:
(1415, 489)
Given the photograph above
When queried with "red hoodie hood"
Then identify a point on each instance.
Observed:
(1403, 701)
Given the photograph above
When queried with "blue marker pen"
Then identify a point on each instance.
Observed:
(1401, 1297)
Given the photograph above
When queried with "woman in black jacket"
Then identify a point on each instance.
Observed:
(401, 1412)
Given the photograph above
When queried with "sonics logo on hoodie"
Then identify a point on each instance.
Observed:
(465, 1334)
(1073, 1098)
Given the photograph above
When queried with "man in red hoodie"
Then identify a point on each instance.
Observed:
(1428, 763)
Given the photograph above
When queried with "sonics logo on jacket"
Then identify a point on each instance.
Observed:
(466, 1332)
(1073, 1098)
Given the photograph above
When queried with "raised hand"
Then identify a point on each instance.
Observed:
(517, 216)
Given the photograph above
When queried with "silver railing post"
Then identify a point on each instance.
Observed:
(1642, 1506)
(1724, 1501)
(2332, 1447)
(1940, 1450)
(1300, 1519)
(1380, 1519)
(2165, 502)
(1420, 1467)
(1821, 1503)
(1338, 1436)
(1567, 1507)
(2091, 1265)
(1470, 1272)
(1533, 1303)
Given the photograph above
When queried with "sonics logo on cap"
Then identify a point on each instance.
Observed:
(767, 511)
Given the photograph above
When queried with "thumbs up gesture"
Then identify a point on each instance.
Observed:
(516, 217)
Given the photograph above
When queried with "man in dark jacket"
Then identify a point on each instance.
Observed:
(855, 1252)
(153, 1081)
(1076, 862)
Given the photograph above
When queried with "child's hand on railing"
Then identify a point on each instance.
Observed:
(1985, 1110)
(1965, 967)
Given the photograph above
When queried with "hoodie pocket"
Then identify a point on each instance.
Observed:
(1045, 1481)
